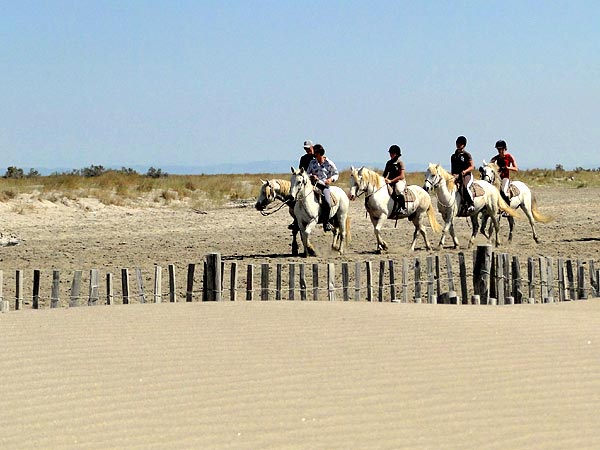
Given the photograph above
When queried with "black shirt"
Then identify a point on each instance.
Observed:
(460, 161)
(305, 160)
(393, 168)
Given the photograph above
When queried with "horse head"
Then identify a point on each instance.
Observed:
(298, 181)
(355, 182)
(432, 177)
(265, 196)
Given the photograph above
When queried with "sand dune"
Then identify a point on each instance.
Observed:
(302, 375)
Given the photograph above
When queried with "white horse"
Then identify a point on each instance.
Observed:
(277, 189)
(520, 197)
(379, 205)
(449, 198)
(307, 211)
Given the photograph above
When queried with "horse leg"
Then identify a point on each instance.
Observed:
(377, 226)
(419, 227)
(295, 242)
(529, 215)
(482, 228)
(475, 228)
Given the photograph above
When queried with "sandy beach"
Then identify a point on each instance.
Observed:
(287, 375)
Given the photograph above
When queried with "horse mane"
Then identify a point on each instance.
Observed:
(285, 186)
(371, 177)
(438, 169)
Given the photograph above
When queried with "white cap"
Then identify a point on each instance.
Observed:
(308, 143)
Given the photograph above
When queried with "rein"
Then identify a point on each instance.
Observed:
(274, 210)
(435, 186)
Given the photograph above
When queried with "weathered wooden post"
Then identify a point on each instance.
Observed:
(36, 289)
(571, 280)
(357, 281)
(562, 292)
(381, 283)
(481, 272)
(264, 282)
(462, 273)
(315, 281)
(452, 295)
(517, 288)
(157, 284)
(110, 295)
(302, 276)
(506, 274)
(404, 280)
(55, 293)
(582, 293)
(369, 268)
(417, 269)
(249, 282)
(431, 298)
(189, 291)
(593, 279)
(278, 281)
(531, 278)
(233, 282)
(550, 278)
(543, 279)
(172, 287)
(500, 278)
(330, 282)
(291, 281)
(19, 290)
(75, 288)
(214, 285)
(345, 281)
(140, 284)
(94, 293)
(4, 305)
(392, 281)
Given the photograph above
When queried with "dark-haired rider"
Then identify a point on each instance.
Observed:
(394, 177)
(506, 163)
(461, 167)
(322, 172)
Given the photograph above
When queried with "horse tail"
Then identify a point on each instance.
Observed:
(348, 234)
(537, 215)
(504, 207)
(435, 225)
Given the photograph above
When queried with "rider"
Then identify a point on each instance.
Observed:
(506, 163)
(394, 177)
(461, 167)
(322, 173)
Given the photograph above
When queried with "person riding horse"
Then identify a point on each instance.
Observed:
(322, 172)
(506, 162)
(461, 167)
(394, 177)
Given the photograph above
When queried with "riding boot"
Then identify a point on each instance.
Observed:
(325, 210)
(402, 211)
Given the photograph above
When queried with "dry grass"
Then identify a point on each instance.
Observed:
(213, 191)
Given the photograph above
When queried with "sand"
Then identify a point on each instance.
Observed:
(288, 374)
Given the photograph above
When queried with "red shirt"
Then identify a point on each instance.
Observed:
(504, 163)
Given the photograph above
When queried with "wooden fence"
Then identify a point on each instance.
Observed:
(493, 278)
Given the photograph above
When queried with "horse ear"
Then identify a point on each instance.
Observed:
(262, 181)
(293, 170)
(484, 163)
(351, 168)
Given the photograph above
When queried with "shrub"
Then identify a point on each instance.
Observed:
(156, 173)
(13, 172)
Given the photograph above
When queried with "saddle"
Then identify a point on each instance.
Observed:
(513, 191)
(476, 191)
(409, 197)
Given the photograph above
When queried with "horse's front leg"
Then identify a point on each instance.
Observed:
(377, 226)
(511, 226)
(483, 226)
(496, 223)
(309, 250)
(475, 228)
(418, 222)
(295, 242)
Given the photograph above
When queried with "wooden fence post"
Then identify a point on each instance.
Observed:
(369, 269)
(462, 273)
(571, 280)
(404, 280)
(517, 289)
(233, 282)
(500, 278)
(157, 284)
(55, 295)
(19, 290)
(291, 281)
(593, 279)
(315, 281)
(481, 272)
(75, 288)
(550, 279)
(581, 284)
(531, 279)
(331, 282)
(392, 281)
(431, 298)
(357, 281)
(172, 287)
(264, 281)
(109, 289)
(561, 280)
(213, 277)
(278, 281)
(345, 282)
(543, 279)
(189, 293)
(250, 282)
(417, 280)
(125, 285)
(380, 285)
(4, 305)
(140, 284)
(302, 280)
(94, 294)
(36, 289)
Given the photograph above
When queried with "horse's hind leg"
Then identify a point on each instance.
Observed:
(295, 243)
(529, 215)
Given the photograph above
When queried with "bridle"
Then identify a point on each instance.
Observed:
(304, 183)
(434, 185)
(270, 196)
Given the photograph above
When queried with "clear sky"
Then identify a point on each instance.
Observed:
(123, 83)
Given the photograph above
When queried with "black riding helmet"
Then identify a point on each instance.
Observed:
(395, 150)
(501, 144)
(461, 140)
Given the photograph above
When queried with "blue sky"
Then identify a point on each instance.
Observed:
(158, 83)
